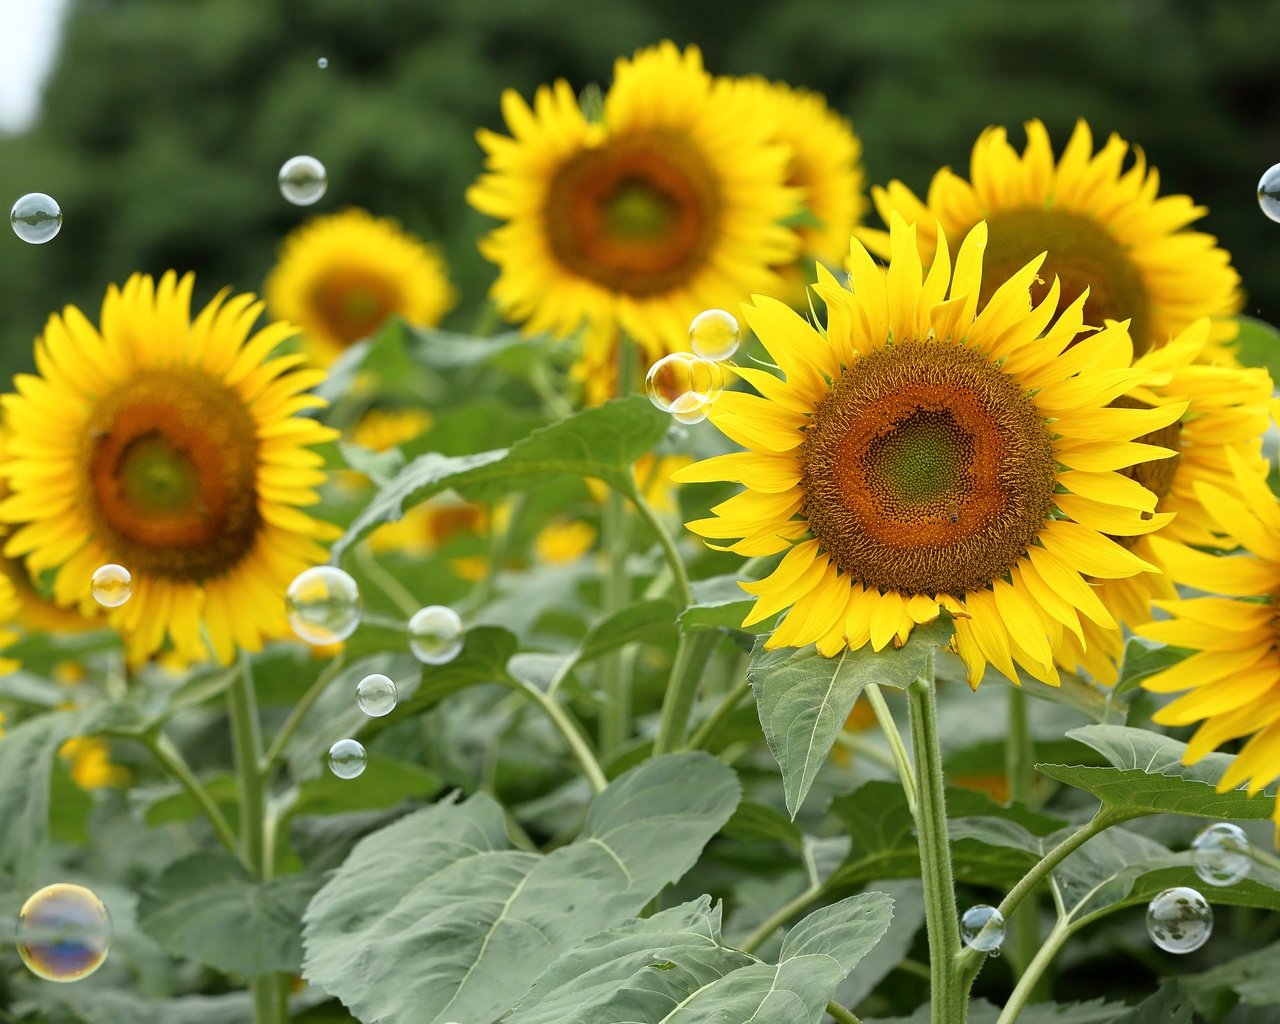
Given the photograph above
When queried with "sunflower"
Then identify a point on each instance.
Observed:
(825, 164)
(1105, 229)
(1226, 410)
(671, 204)
(341, 277)
(1233, 679)
(169, 445)
(917, 456)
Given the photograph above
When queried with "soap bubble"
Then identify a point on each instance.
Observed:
(347, 759)
(982, 927)
(679, 374)
(303, 180)
(63, 932)
(322, 63)
(1179, 920)
(1269, 192)
(376, 695)
(690, 408)
(435, 634)
(324, 605)
(36, 218)
(1220, 854)
(714, 334)
(111, 585)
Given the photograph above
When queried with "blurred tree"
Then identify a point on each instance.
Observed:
(166, 120)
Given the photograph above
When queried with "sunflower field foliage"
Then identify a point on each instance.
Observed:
(791, 599)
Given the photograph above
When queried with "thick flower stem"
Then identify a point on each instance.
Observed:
(246, 740)
(1019, 761)
(949, 1005)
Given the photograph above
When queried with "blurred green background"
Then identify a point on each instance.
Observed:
(165, 121)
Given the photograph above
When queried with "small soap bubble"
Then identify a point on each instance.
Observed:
(714, 334)
(112, 585)
(690, 408)
(1179, 920)
(435, 634)
(376, 695)
(64, 932)
(982, 927)
(347, 759)
(324, 605)
(1220, 854)
(679, 374)
(36, 218)
(1269, 192)
(322, 63)
(303, 180)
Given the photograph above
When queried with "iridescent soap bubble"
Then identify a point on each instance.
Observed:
(690, 408)
(111, 585)
(1220, 854)
(64, 932)
(322, 63)
(435, 634)
(324, 605)
(347, 759)
(1179, 920)
(714, 334)
(982, 927)
(1269, 192)
(682, 373)
(303, 180)
(36, 218)
(376, 695)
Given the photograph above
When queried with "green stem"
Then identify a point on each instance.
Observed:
(970, 960)
(615, 717)
(682, 689)
(1035, 971)
(901, 760)
(572, 733)
(170, 758)
(949, 1005)
(246, 740)
(1019, 762)
(778, 918)
(711, 724)
(395, 591)
(839, 1013)
(298, 713)
(684, 591)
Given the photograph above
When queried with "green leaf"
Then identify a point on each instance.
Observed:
(206, 907)
(674, 968)
(718, 603)
(1258, 344)
(804, 698)
(1147, 776)
(601, 442)
(1095, 1011)
(1143, 658)
(384, 783)
(1253, 977)
(27, 753)
(487, 918)
(759, 823)
(1169, 1005)
(908, 917)
(175, 804)
(483, 659)
(444, 350)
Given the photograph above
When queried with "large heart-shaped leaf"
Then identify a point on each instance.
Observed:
(437, 918)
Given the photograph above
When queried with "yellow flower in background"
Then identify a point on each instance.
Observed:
(342, 276)
(10, 608)
(1226, 412)
(825, 164)
(670, 205)
(563, 541)
(1105, 228)
(1232, 682)
(916, 455)
(89, 762)
(172, 446)
(382, 429)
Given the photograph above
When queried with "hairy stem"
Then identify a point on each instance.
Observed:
(840, 1014)
(901, 760)
(1019, 763)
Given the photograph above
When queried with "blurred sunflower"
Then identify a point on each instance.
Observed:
(172, 446)
(342, 276)
(88, 760)
(1233, 679)
(1226, 411)
(669, 205)
(1105, 229)
(912, 460)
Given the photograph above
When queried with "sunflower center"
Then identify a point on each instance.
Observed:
(636, 215)
(353, 303)
(926, 470)
(171, 470)
(1082, 254)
